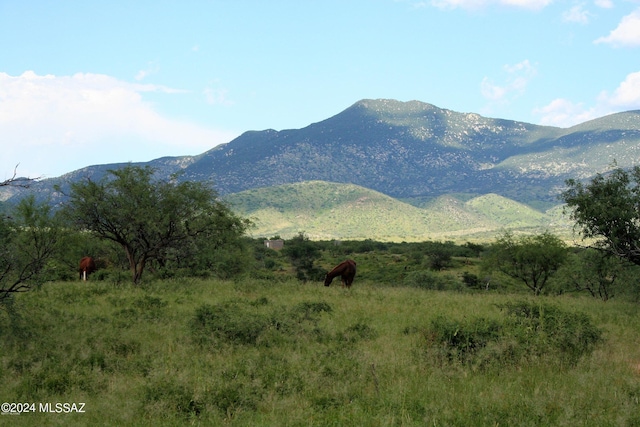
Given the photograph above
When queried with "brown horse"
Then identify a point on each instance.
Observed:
(87, 266)
(346, 270)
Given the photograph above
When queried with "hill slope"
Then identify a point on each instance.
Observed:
(325, 210)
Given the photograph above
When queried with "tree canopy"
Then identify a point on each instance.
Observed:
(151, 219)
(608, 210)
(28, 240)
(529, 259)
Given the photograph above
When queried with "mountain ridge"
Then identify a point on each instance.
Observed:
(415, 149)
(406, 150)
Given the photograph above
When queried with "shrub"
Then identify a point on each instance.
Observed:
(528, 333)
(425, 279)
(227, 322)
(545, 327)
(460, 340)
(471, 280)
(235, 396)
(357, 332)
(237, 323)
(309, 310)
(165, 395)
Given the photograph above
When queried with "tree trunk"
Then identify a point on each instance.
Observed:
(138, 269)
(136, 266)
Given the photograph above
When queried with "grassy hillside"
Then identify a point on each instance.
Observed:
(326, 210)
(507, 213)
(254, 352)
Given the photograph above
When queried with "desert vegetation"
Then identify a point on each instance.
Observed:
(521, 330)
(280, 352)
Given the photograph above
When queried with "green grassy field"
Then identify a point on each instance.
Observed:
(254, 352)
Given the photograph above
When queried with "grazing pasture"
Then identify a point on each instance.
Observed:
(279, 352)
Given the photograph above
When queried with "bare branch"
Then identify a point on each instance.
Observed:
(15, 180)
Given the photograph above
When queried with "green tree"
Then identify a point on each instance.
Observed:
(529, 259)
(608, 210)
(439, 255)
(28, 241)
(302, 253)
(595, 272)
(152, 220)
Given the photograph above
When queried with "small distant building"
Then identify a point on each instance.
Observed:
(275, 244)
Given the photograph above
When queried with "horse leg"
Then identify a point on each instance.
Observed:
(84, 275)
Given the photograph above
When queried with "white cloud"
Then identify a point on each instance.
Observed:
(626, 96)
(214, 95)
(627, 33)
(564, 113)
(479, 4)
(55, 124)
(604, 4)
(515, 83)
(577, 14)
(492, 91)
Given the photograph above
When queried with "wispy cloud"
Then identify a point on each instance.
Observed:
(604, 4)
(513, 84)
(479, 4)
(153, 68)
(565, 113)
(48, 123)
(627, 33)
(216, 95)
(577, 14)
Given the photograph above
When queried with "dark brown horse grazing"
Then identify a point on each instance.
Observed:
(346, 270)
(87, 266)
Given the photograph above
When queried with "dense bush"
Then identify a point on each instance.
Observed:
(528, 333)
(426, 279)
(546, 328)
(227, 323)
(253, 323)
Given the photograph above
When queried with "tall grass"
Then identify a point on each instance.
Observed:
(252, 352)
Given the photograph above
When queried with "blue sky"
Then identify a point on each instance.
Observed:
(93, 82)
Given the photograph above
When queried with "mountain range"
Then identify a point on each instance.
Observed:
(410, 151)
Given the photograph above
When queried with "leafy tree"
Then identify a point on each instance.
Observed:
(77, 244)
(303, 253)
(530, 259)
(474, 249)
(151, 220)
(595, 272)
(439, 255)
(608, 210)
(223, 255)
(28, 241)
